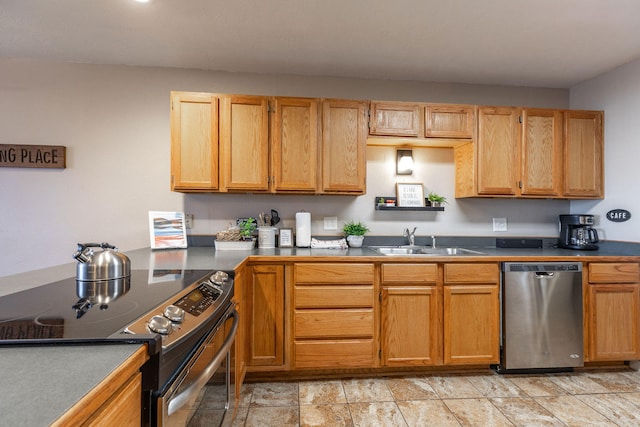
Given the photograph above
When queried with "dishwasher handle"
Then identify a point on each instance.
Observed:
(545, 274)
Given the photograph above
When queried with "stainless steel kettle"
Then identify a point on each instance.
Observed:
(107, 264)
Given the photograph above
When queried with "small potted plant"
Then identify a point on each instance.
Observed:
(436, 200)
(355, 232)
(247, 228)
(237, 237)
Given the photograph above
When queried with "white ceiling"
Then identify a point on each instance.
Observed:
(544, 43)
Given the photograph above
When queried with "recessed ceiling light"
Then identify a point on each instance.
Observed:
(142, 1)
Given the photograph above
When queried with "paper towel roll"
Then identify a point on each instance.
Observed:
(303, 229)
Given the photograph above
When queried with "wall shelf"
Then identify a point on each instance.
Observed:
(384, 207)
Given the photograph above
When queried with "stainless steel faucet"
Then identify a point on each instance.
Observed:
(433, 242)
(411, 235)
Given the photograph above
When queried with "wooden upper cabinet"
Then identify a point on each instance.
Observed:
(498, 154)
(583, 154)
(295, 133)
(244, 143)
(344, 141)
(194, 141)
(450, 121)
(395, 119)
(541, 173)
(519, 152)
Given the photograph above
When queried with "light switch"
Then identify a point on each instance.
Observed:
(499, 224)
(330, 223)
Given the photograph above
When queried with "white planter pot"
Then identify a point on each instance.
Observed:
(355, 241)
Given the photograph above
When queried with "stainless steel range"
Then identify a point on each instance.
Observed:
(177, 313)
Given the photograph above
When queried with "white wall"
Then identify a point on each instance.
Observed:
(618, 94)
(114, 121)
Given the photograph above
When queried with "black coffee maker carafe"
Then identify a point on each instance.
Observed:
(577, 232)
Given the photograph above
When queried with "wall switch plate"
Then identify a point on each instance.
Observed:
(188, 221)
(331, 223)
(499, 224)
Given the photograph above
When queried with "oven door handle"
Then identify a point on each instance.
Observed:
(194, 388)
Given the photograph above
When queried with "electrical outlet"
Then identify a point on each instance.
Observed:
(499, 224)
(188, 221)
(330, 223)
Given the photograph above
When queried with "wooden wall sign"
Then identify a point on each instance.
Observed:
(33, 156)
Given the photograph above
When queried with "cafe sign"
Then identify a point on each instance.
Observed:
(33, 156)
(618, 215)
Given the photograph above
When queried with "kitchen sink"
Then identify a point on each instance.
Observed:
(422, 251)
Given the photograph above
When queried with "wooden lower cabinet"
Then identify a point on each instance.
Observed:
(264, 316)
(409, 315)
(334, 316)
(124, 408)
(613, 312)
(471, 318)
(409, 326)
(116, 401)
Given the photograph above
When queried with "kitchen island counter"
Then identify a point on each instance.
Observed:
(40, 384)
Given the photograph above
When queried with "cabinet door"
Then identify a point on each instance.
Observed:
(409, 326)
(194, 141)
(583, 154)
(541, 153)
(244, 143)
(450, 121)
(239, 364)
(123, 408)
(395, 119)
(498, 151)
(344, 141)
(294, 145)
(471, 324)
(264, 310)
(614, 321)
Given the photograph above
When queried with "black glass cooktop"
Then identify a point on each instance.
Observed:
(68, 310)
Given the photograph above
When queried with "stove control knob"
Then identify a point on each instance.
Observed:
(219, 277)
(174, 313)
(160, 325)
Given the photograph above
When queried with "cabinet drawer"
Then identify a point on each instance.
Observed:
(333, 323)
(333, 296)
(627, 272)
(320, 273)
(409, 273)
(334, 354)
(471, 273)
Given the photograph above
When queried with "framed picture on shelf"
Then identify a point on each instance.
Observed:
(409, 194)
(167, 230)
(286, 238)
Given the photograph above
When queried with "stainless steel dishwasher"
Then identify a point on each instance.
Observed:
(541, 316)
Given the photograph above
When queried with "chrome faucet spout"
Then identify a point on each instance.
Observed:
(411, 235)
(433, 242)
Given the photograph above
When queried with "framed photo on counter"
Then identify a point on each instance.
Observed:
(286, 238)
(167, 230)
(409, 194)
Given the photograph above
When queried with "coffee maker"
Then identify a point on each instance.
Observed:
(577, 232)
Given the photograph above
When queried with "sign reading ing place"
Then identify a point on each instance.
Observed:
(33, 156)
(618, 215)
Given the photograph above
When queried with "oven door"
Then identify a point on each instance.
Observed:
(207, 372)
